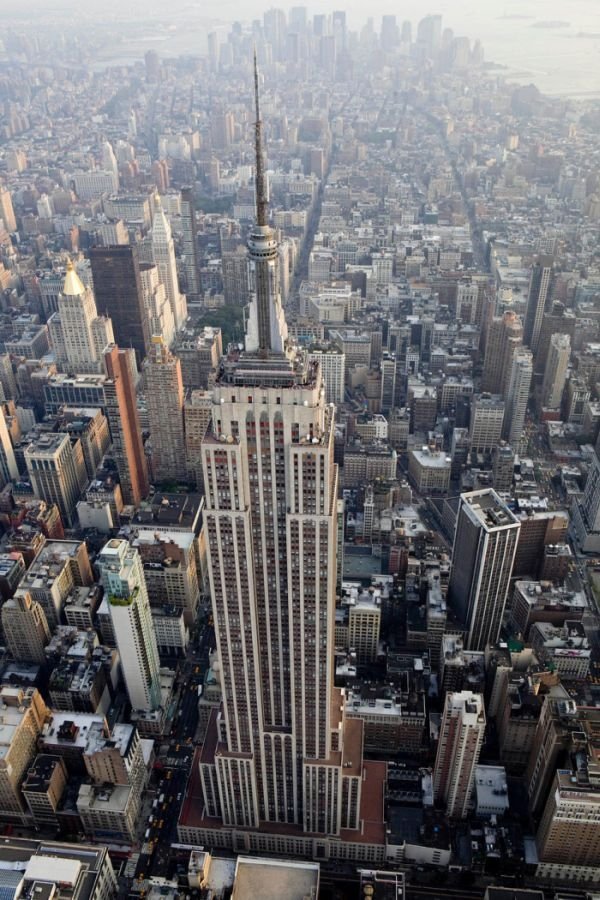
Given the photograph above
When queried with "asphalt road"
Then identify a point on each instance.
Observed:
(172, 767)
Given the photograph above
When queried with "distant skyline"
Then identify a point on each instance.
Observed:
(539, 41)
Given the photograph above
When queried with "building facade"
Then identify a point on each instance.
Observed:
(164, 398)
(461, 737)
(485, 543)
(122, 576)
(120, 296)
(124, 421)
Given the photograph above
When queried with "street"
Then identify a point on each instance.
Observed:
(172, 766)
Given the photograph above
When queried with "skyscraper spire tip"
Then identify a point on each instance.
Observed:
(261, 196)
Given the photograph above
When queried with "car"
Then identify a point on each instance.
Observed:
(161, 823)
(179, 796)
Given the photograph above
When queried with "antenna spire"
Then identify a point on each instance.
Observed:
(261, 195)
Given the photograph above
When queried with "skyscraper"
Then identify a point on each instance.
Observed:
(487, 417)
(9, 470)
(461, 736)
(119, 295)
(197, 416)
(78, 334)
(163, 251)
(555, 374)
(537, 299)
(390, 36)
(429, 34)
(25, 628)
(558, 320)
(158, 308)
(56, 467)
(109, 163)
(504, 337)
(122, 576)
(569, 831)
(7, 214)
(164, 397)
(283, 751)
(517, 397)
(485, 542)
(190, 260)
(124, 421)
(152, 64)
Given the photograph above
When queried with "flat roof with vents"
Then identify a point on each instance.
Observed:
(54, 869)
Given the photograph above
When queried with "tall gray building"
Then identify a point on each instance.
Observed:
(537, 300)
(517, 397)
(485, 542)
(188, 225)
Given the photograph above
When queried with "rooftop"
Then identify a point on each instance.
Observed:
(491, 787)
(487, 509)
(272, 879)
(431, 458)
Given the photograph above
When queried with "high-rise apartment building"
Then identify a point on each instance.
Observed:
(56, 467)
(190, 250)
(537, 300)
(517, 397)
(25, 628)
(281, 752)
(555, 374)
(485, 542)
(461, 737)
(122, 576)
(124, 421)
(78, 334)
(163, 251)
(119, 295)
(164, 398)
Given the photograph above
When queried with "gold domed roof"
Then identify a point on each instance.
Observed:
(73, 285)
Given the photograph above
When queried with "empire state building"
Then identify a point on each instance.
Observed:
(280, 756)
